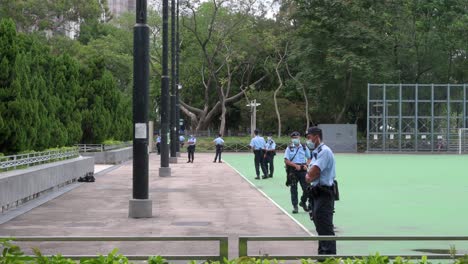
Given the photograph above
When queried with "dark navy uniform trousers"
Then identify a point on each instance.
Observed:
(323, 210)
(258, 160)
(300, 175)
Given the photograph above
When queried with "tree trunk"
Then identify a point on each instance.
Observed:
(222, 126)
(348, 85)
(304, 93)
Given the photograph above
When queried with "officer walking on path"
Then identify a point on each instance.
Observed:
(270, 152)
(258, 145)
(191, 148)
(219, 142)
(324, 190)
(158, 144)
(297, 158)
(181, 141)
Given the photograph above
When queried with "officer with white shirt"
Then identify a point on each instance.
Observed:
(321, 174)
(258, 145)
(268, 158)
(191, 148)
(297, 157)
(219, 142)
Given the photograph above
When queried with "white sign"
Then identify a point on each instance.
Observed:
(140, 130)
(439, 137)
(376, 137)
(391, 136)
(423, 137)
(408, 136)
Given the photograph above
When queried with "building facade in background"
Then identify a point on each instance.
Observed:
(118, 7)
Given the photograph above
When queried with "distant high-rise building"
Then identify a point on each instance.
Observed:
(117, 7)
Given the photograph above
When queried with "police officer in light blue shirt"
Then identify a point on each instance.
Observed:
(268, 158)
(181, 141)
(297, 157)
(191, 148)
(322, 174)
(219, 142)
(258, 146)
(158, 143)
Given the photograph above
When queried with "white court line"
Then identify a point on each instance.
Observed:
(271, 200)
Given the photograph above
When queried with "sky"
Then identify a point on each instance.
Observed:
(271, 7)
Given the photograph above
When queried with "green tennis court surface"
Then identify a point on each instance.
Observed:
(410, 195)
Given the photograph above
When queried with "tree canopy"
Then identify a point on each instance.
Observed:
(308, 64)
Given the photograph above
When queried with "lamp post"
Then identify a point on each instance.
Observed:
(174, 121)
(179, 86)
(253, 115)
(140, 206)
(164, 170)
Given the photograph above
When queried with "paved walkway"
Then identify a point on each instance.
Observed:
(199, 199)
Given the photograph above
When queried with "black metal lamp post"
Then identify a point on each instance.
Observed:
(140, 206)
(177, 79)
(174, 121)
(164, 170)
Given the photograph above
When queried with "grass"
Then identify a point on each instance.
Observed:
(386, 195)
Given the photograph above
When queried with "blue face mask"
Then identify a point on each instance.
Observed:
(310, 144)
(296, 141)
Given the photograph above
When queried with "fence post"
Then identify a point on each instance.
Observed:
(242, 247)
(223, 249)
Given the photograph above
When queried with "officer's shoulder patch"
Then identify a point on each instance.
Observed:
(319, 149)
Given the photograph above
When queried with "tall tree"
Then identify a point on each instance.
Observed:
(218, 32)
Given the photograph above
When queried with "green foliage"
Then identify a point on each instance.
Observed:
(158, 260)
(112, 142)
(111, 258)
(49, 100)
(12, 254)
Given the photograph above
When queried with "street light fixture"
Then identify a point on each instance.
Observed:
(253, 115)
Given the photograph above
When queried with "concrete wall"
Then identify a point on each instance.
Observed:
(341, 138)
(20, 186)
(115, 156)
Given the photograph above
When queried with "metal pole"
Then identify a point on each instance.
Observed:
(140, 206)
(384, 118)
(255, 115)
(433, 141)
(177, 78)
(368, 116)
(173, 121)
(164, 170)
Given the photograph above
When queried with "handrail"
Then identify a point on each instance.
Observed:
(101, 147)
(35, 158)
(243, 247)
(223, 244)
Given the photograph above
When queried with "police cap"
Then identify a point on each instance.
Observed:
(313, 130)
(295, 134)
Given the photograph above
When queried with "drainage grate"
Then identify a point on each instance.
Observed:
(168, 190)
(191, 223)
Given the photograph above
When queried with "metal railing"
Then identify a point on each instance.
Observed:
(36, 158)
(101, 147)
(243, 245)
(223, 245)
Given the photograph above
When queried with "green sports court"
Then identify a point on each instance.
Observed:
(385, 194)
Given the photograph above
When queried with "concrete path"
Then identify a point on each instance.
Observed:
(199, 199)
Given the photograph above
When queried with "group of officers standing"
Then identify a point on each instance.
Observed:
(311, 165)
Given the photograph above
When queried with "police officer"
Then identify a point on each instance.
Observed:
(191, 148)
(219, 142)
(258, 145)
(296, 158)
(158, 143)
(322, 174)
(181, 141)
(268, 158)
